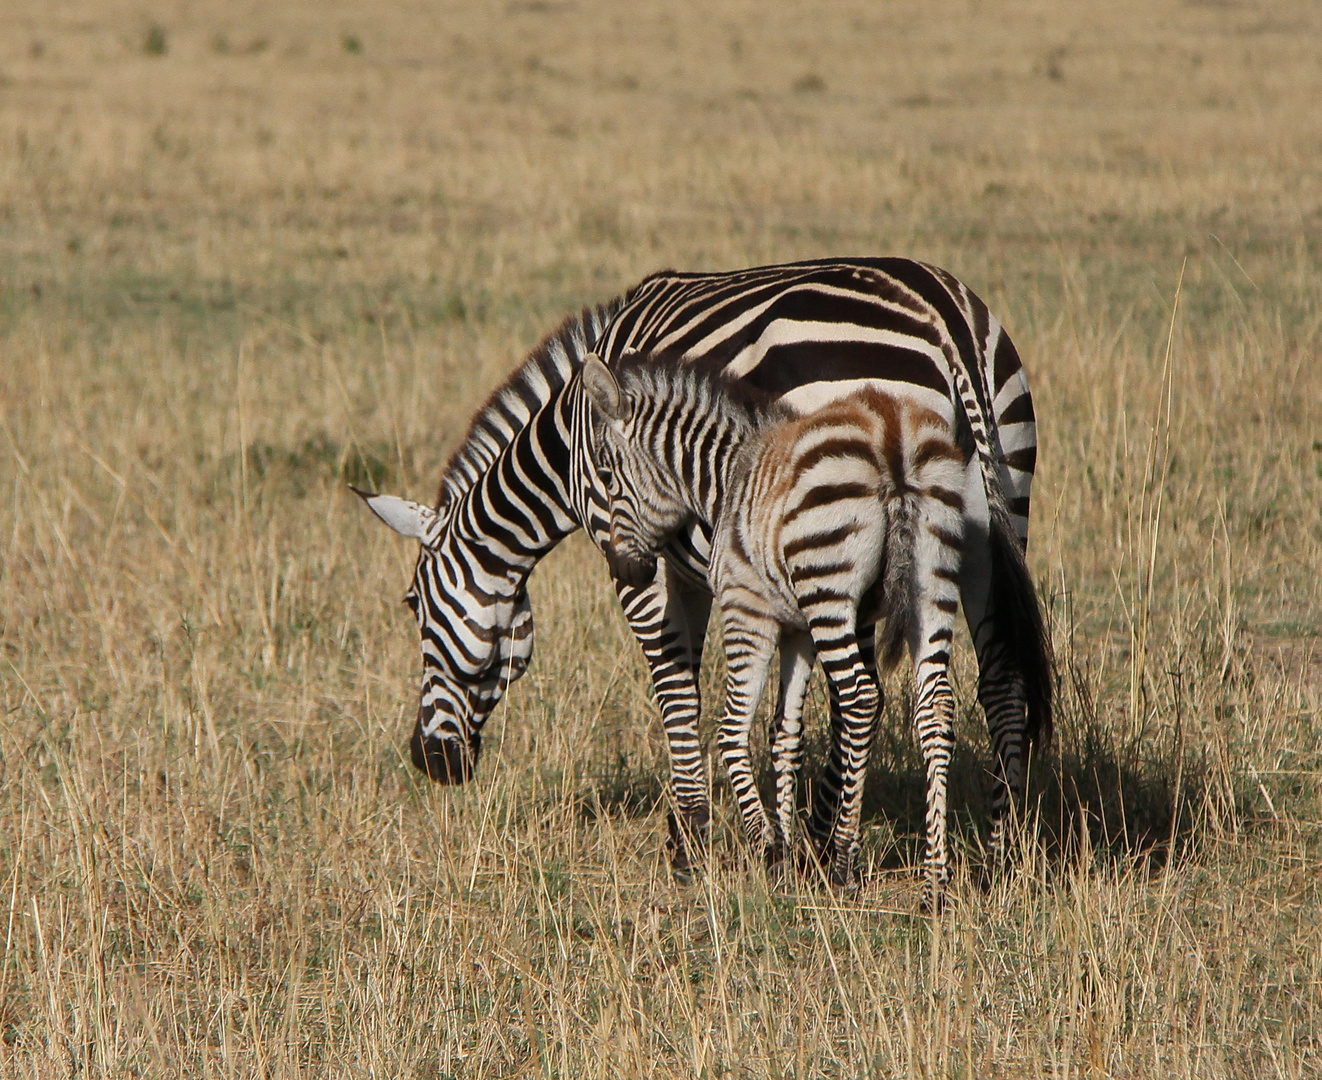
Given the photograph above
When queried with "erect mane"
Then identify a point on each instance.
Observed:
(549, 366)
(669, 374)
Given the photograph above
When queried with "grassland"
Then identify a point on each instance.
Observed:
(249, 252)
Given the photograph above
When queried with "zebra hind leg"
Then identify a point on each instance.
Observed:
(1015, 681)
(857, 699)
(934, 720)
(749, 643)
(826, 804)
(796, 661)
(930, 637)
(1001, 694)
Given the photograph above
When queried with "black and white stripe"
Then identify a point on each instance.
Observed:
(821, 525)
(807, 333)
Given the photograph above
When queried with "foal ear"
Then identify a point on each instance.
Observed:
(602, 388)
(406, 518)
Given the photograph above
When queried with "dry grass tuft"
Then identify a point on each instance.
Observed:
(243, 261)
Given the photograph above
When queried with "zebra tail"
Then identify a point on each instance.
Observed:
(897, 585)
(1016, 613)
(1020, 625)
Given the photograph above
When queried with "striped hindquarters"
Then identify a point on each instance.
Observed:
(842, 508)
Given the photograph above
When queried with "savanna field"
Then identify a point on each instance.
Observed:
(252, 253)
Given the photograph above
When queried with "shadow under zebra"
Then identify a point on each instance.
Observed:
(1090, 797)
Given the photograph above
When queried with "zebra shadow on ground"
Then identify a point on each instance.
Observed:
(1088, 796)
(1093, 794)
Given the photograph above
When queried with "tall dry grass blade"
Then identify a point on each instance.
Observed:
(1146, 537)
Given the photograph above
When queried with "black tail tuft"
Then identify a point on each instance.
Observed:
(897, 593)
(1021, 626)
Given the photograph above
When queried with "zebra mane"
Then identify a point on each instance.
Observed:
(548, 367)
(670, 376)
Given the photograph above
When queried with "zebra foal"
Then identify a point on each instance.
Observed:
(822, 526)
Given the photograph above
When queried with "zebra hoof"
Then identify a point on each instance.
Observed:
(844, 881)
(934, 894)
(814, 860)
(832, 868)
(686, 846)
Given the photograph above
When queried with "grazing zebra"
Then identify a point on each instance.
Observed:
(853, 513)
(523, 478)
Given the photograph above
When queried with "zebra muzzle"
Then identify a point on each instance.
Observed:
(447, 761)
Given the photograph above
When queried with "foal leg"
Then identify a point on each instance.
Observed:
(931, 635)
(749, 642)
(934, 720)
(669, 619)
(856, 697)
(826, 804)
(796, 660)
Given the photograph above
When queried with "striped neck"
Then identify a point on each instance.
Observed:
(698, 425)
(714, 475)
(517, 510)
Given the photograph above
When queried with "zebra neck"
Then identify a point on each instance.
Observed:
(710, 478)
(519, 508)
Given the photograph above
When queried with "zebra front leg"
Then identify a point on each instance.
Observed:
(749, 643)
(669, 619)
(796, 660)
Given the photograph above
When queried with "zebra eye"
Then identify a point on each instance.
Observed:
(411, 599)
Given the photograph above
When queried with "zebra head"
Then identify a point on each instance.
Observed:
(647, 505)
(471, 652)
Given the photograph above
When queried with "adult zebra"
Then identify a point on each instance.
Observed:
(523, 478)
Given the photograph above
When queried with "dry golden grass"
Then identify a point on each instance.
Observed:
(247, 253)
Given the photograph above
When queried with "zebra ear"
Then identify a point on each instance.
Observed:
(602, 388)
(406, 518)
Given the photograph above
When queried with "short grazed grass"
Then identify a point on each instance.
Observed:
(244, 262)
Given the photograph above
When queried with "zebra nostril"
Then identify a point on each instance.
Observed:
(637, 572)
(613, 560)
